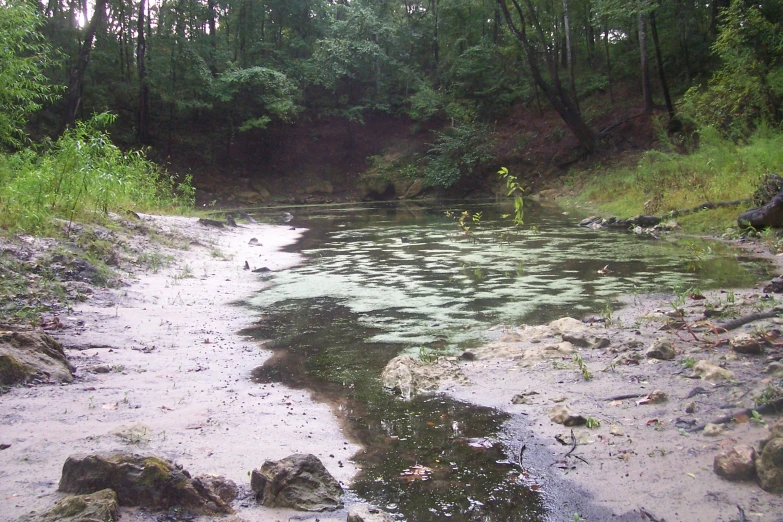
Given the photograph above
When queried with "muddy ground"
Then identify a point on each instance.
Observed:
(161, 370)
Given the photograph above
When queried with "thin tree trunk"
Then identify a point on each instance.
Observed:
(212, 37)
(73, 96)
(608, 61)
(557, 97)
(659, 60)
(142, 117)
(569, 54)
(646, 89)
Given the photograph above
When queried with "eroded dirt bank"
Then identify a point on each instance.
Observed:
(160, 369)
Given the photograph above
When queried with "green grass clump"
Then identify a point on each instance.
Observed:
(83, 176)
(718, 170)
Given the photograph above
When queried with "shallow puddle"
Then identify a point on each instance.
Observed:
(383, 279)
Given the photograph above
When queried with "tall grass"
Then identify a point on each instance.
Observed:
(83, 176)
(718, 170)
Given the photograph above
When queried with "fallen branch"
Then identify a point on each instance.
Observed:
(771, 407)
(740, 321)
(709, 205)
(610, 128)
(626, 396)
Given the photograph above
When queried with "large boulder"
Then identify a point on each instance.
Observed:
(408, 376)
(298, 481)
(26, 356)
(138, 480)
(100, 506)
(769, 466)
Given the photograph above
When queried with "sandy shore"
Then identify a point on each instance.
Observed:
(641, 455)
(176, 381)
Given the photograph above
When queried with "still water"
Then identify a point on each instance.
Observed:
(385, 279)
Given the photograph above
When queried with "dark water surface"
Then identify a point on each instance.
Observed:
(385, 279)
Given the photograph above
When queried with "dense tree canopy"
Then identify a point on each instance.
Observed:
(242, 64)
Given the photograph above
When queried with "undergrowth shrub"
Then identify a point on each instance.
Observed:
(83, 176)
(457, 152)
(719, 170)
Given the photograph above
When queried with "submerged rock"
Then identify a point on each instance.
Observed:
(298, 481)
(145, 481)
(25, 356)
(100, 506)
(368, 513)
(408, 376)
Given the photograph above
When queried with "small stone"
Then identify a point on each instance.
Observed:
(367, 513)
(748, 344)
(562, 414)
(253, 241)
(690, 408)
(100, 506)
(713, 430)
(737, 463)
(711, 372)
(654, 397)
(616, 431)
(661, 348)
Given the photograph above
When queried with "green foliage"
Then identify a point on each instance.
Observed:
(83, 175)
(718, 171)
(514, 188)
(748, 88)
(457, 152)
(24, 54)
(259, 90)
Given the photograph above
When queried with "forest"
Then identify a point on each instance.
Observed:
(188, 78)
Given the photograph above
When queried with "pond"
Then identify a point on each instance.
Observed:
(384, 279)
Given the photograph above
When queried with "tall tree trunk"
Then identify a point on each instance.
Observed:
(569, 54)
(142, 117)
(73, 96)
(554, 92)
(646, 89)
(659, 60)
(212, 37)
(608, 60)
(435, 42)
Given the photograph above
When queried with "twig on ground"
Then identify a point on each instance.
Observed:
(625, 396)
(649, 515)
(771, 407)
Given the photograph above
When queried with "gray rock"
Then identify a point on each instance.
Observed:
(661, 348)
(138, 480)
(224, 488)
(735, 463)
(298, 481)
(25, 356)
(100, 506)
(367, 513)
(769, 466)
